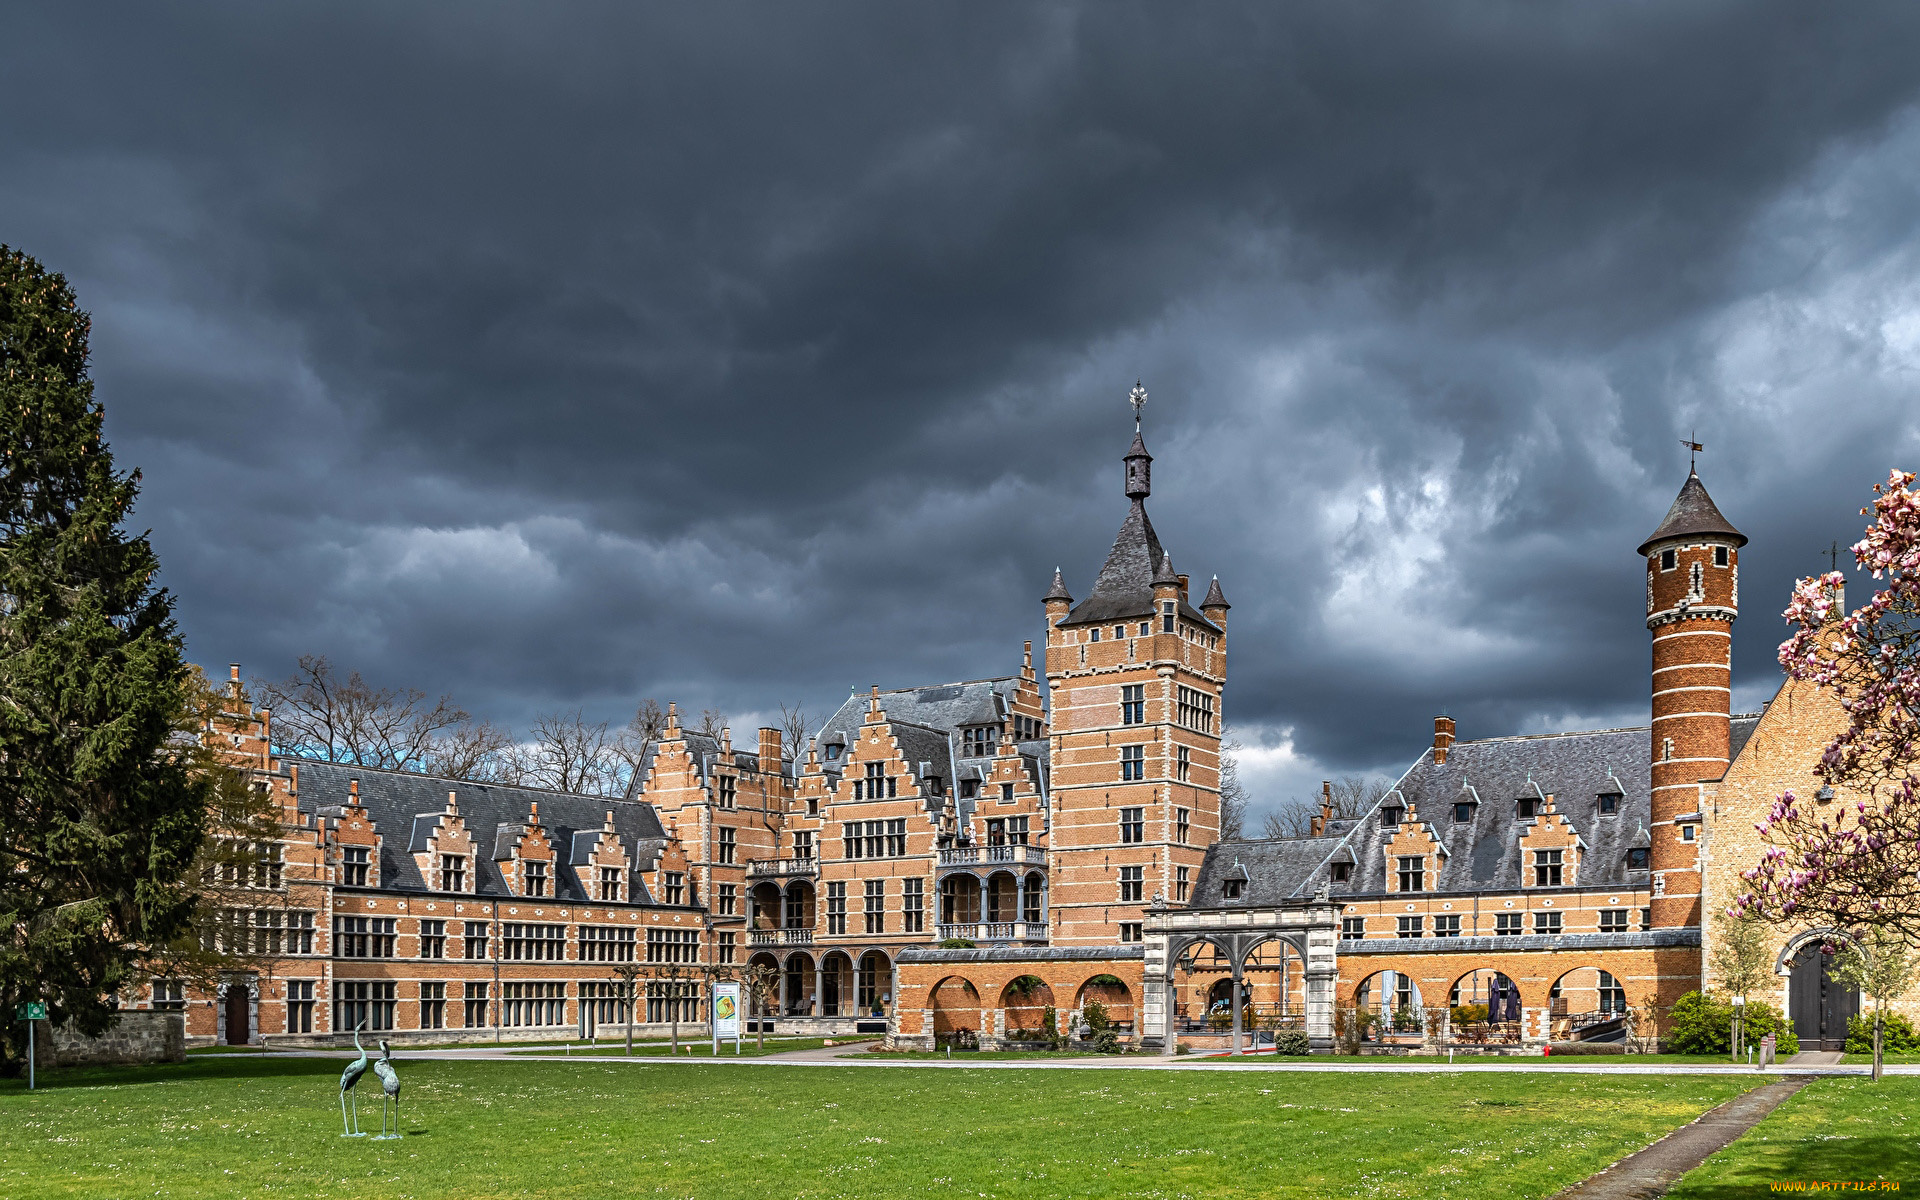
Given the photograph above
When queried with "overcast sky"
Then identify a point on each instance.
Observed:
(555, 356)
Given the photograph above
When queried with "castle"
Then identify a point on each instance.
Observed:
(965, 860)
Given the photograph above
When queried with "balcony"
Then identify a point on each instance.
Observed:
(985, 856)
(780, 937)
(786, 868)
(995, 931)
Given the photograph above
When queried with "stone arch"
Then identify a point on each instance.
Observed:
(1196, 969)
(1026, 999)
(1111, 992)
(763, 906)
(873, 983)
(836, 984)
(1275, 970)
(1587, 990)
(756, 1005)
(956, 1007)
(1393, 1000)
(1791, 949)
(1000, 897)
(1494, 989)
(798, 984)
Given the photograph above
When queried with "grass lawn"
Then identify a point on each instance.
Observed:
(1841, 1128)
(250, 1126)
(701, 1049)
(1508, 1060)
(973, 1055)
(1890, 1060)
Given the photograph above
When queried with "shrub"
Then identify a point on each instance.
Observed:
(1469, 1014)
(1897, 1035)
(1702, 1023)
(956, 944)
(1576, 1048)
(1291, 1041)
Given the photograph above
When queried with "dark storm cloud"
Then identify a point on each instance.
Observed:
(562, 356)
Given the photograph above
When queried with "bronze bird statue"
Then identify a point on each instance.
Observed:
(348, 1078)
(390, 1084)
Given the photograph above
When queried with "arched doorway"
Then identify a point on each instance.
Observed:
(956, 1009)
(768, 1005)
(763, 903)
(1112, 994)
(836, 985)
(797, 989)
(798, 902)
(1201, 977)
(1819, 1004)
(960, 899)
(873, 985)
(1392, 1001)
(1485, 1007)
(1026, 1001)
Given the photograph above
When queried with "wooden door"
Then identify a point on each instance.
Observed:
(238, 1031)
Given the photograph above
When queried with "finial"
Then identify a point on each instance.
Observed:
(1137, 397)
(1693, 448)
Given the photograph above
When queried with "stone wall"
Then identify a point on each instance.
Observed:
(134, 1037)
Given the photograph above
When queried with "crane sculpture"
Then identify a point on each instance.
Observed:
(349, 1078)
(390, 1084)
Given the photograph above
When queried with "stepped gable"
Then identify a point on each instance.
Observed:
(1484, 852)
(403, 805)
(1693, 514)
(704, 750)
(945, 707)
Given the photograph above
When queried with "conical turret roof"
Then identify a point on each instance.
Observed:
(1693, 514)
(1166, 573)
(1215, 597)
(1059, 589)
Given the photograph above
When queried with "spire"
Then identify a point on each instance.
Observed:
(1215, 598)
(1693, 513)
(1166, 574)
(1139, 469)
(1059, 589)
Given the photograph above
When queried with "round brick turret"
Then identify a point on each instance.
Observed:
(1693, 599)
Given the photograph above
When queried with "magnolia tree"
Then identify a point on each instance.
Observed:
(1855, 867)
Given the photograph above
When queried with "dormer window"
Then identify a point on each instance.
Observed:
(1609, 802)
(1342, 872)
(1463, 811)
(979, 741)
(1230, 889)
(1413, 873)
(536, 876)
(1390, 816)
(969, 788)
(453, 872)
(610, 884)
(1637, 859)
(1525, 808)
(833, 751)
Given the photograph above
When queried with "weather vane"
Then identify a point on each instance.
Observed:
(1137, 397)
(1693, 448)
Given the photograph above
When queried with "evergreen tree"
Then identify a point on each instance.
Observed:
(101, 813)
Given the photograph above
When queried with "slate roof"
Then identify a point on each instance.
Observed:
(406, 807)
(1693, 513)
(947, 707)
(1482, 853)
(1124, 587)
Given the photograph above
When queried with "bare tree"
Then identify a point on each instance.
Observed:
(1233, 794)
(795, 725)
(317, 714)
(475, 750)
(712, 722)
(568, 753)
(1351, 795)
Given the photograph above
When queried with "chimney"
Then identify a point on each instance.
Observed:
(1318, 827)
(1183, 589)
(769, 749)
(453, 803)
(1442, 739)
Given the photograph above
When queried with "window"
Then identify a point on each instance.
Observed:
(1609, 802)
(728, 789)
(240, 863)
(969, 788)
(527, 942)
(1230, 889)
(533, 1004)
(730, 898)
(1093, 635)
(1613, 997)
(1133, 762)
(476, 939)
(1196, 709)
(897, 836)
(803, 843)
(363, 937)
(1668, 560)
(1546, 868)
(1546, 922)
(1132, 884)
(1719, 556)
(1352, 928)
(813, 804)
(1413, 873)
(1523, 808)
(673, 945)
(979, 741)
(874, 906)
(1146, 627)
(433, 1006)
(1463, 811)
(276, 931)
(368, 1001)
(674, 999)
(836, 908)
(877, 785)
(1133, 704)
(1119, 632)
(1446, 926)
(536, 877)
(603, 1003)
(299, 1006)
(1646, 919)
(1006, 793)
(1506, 924)
(1695, 580)
(607, 943)
(1183, 765)
(433, 940)
(475, 1016)
(1410, 927)
(353, 866)
(1182, 824)
(1182, 885)
(1133, 825)
(1686, 833)
(676, 887)
(169, 995)
(874, 839)
(610, 885)
(1166, 616)
(1031, 899)
(1637, 859)
(833, 751)
(727, 844)
(1025, 729)
(913, 905)
(727, 946)
(1130, 931)
(1613, 920)
(1342, 872)
(1390, 815)
(453, 872)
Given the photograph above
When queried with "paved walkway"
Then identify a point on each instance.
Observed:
(1815, 1058)
(1653, 1170)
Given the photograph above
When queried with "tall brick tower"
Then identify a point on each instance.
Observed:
(1693, 597)
(1136, 675)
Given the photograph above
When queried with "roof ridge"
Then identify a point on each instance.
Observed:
(517, 787)
(1534, 737)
